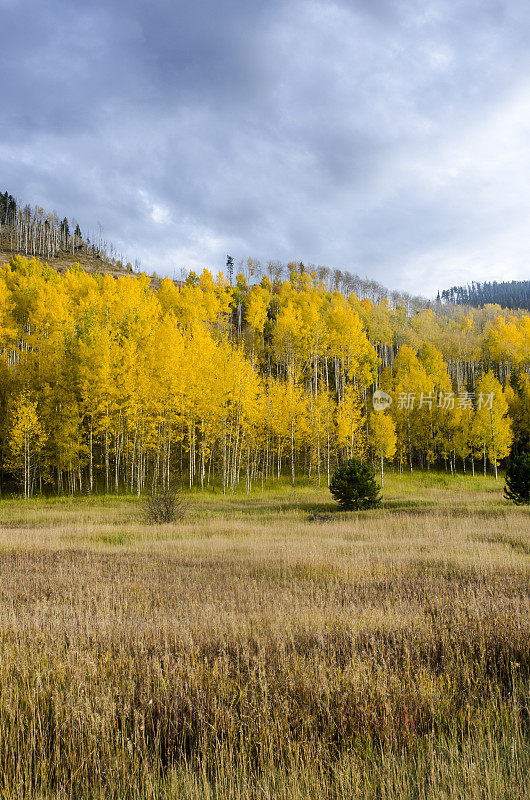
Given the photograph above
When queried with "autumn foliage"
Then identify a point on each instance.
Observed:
(111, 385)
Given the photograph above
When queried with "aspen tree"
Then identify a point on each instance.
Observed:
(492, 428)
(410, 387)
(382, 438)
(26, 440)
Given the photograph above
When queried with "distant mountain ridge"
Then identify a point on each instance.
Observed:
(507, 294)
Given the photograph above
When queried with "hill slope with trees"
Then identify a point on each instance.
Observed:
(34, 232)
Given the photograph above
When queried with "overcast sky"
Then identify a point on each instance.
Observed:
(387, 137)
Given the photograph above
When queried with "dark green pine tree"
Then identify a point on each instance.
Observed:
(518, 480)
(8, 207)
(354, 486)
(230, 268)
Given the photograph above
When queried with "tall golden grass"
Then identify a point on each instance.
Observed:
(250, 653)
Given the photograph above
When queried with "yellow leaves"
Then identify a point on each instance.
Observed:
(189, 308)
(8, 330)
(312, 324)
(230, 370)
(435, 368)
(26, 437)
(256, 307)
(288, 333)
(376, 319)
(409, 373)
(200, 300)
(40, 304)
(382, 433)
(287, 403)
(215, 296)
(348, 422)
(492, 429)
(346, 339)
(425, 324)
(168, 295)
(343, 326)
(508, 339)
(25, 421)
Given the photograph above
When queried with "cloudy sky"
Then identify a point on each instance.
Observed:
(387, 137)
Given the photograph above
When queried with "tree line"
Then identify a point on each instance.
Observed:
(110, 385)
(335, 279)
(508, 294)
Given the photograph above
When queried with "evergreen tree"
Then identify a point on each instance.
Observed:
(354, 487)
(230, 268)
(508, 294)
(518, 480)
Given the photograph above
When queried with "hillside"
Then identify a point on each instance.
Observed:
(64, 261)
(60, 243)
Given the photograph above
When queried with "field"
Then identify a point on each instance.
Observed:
(249, 652)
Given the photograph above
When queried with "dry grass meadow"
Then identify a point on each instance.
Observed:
(248, 652)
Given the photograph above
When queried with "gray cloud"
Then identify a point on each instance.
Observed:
(386, 137)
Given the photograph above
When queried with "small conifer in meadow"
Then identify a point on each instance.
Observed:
(354, 486)
(518, 480)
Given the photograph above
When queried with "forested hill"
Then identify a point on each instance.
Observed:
(508, 294)
(60, 242)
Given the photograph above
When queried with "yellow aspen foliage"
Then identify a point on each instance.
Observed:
(492, 429)
(350, 434)
(257, 304)
(382, 438)
(112, 385)
(412, 394)
(26, 440)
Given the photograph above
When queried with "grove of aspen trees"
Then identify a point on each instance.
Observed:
(111, 385)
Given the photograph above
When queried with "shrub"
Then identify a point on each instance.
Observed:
(353, 486)
(319, 516)
(165, 506)
(518, 480)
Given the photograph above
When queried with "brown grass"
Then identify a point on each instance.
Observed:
(65, 260)
(248, 653)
